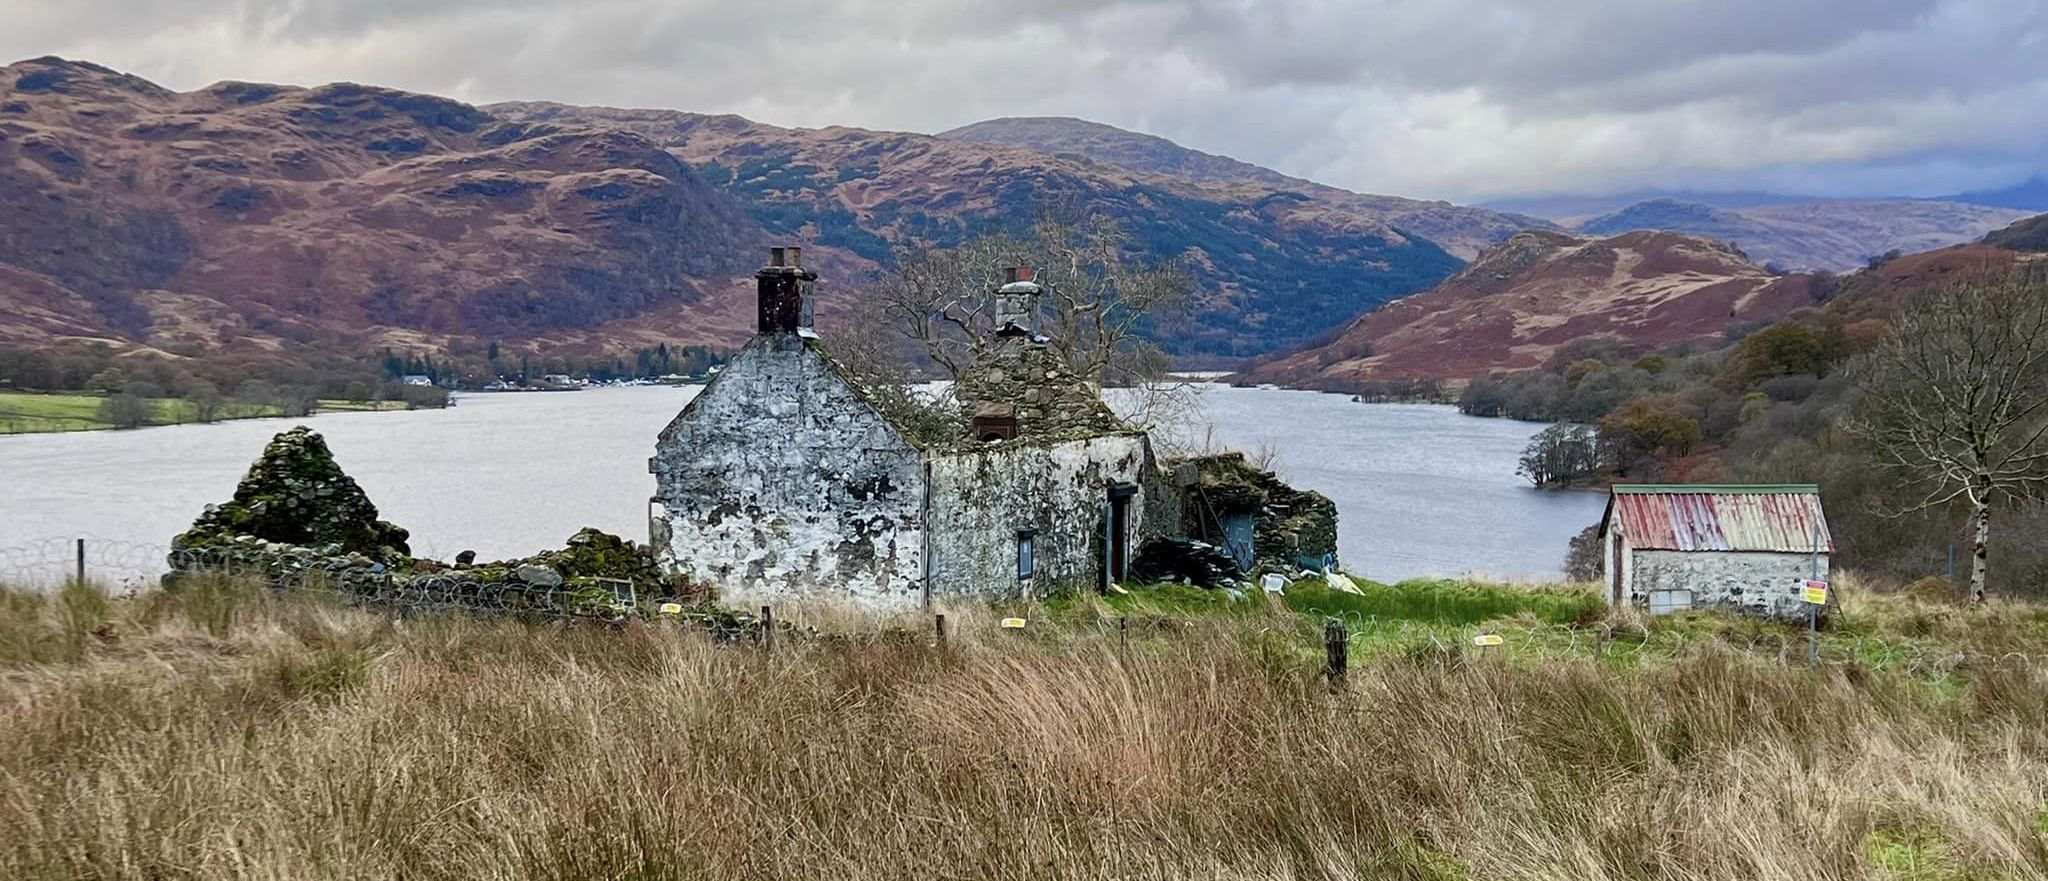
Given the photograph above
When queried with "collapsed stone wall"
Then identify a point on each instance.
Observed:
(298, 522)
(294, 493)
(1289, 526)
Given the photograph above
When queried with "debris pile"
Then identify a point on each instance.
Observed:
(1185, 560)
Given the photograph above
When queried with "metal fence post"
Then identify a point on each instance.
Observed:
(1336, 651)
(81, 561)
(1123, 640)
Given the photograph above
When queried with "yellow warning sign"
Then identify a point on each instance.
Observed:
(1013, 623)
(1487, 639)
(671, 608)
(1817, 592)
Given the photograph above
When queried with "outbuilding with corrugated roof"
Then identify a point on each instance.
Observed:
(1746, 548)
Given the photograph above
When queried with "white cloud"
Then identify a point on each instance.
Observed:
(1438, 98)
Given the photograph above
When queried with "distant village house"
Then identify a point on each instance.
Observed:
(1747, 549)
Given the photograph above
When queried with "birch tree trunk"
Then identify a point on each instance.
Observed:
(1980, 547)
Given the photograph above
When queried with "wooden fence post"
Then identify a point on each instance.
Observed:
(81, 561)
(1123, 639)
(939, 628)
(767, 628)
(1336, 651)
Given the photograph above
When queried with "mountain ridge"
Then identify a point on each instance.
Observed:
(274, 219)
(1529, 297)
(1462, 230)
(1833, 235)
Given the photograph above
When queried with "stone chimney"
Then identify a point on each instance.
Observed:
(784, 292)
(1017, 303)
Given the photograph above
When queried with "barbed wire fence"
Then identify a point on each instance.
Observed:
(131, 567)
(47, 563)
(1564, 642)
(128, 566)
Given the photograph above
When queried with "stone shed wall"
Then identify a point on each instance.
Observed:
(1751, 582)
(982, 499)
(779, 482)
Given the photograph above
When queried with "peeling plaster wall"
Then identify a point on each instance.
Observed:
(981, 499)
(779, 482)
(1752, 582)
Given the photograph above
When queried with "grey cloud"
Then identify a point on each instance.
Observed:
(1434, 98)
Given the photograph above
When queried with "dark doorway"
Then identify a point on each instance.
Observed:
(1614, 572)
(1238, 539)
(1119, 546)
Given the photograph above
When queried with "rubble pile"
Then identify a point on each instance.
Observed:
(296, 495)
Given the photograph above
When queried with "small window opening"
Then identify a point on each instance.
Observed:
(1027, 551)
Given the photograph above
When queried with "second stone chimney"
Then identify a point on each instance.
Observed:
(783, 289)
(1017, 303)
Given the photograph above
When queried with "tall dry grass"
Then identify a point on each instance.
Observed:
(227, 734)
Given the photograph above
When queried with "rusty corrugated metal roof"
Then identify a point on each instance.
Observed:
(1721, 518)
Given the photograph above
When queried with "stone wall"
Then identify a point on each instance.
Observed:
(1753, 582)
(1289, 525)
(779, 482)
(982, 499)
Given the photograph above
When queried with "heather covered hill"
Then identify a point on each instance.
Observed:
(1538, 292)
(1463, 231)
(1283, 265)
(2029, 236)
(273, 220)
(264, 218)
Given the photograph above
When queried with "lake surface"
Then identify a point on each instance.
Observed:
(1421, 489)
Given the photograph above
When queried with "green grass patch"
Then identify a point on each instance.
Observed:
(326, 674)
(1444, 602)
(31, 413)
(21, 413)
(340, 406)
(1915, 855)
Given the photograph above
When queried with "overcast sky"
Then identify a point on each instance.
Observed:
(1454, 99)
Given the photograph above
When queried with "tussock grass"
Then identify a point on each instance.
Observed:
(226, 733)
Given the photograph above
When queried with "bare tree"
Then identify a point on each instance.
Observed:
(872, 352)
(1098, 304)
(1956, 400)
(206, 400)
(1098, 308)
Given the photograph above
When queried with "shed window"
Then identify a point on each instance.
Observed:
(1027, 548)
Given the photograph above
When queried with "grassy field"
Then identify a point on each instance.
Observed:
(25, 413)
(225, 733)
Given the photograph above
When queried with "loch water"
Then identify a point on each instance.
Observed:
(1421, 489)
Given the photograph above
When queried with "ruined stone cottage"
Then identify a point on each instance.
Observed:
(786, 479)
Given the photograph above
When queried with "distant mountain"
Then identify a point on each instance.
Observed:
(1835, 234)
(1524, 299)
(273, 221)
(1285, 265)
(1461, 230)
(2031, 195)
(1567, 209)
